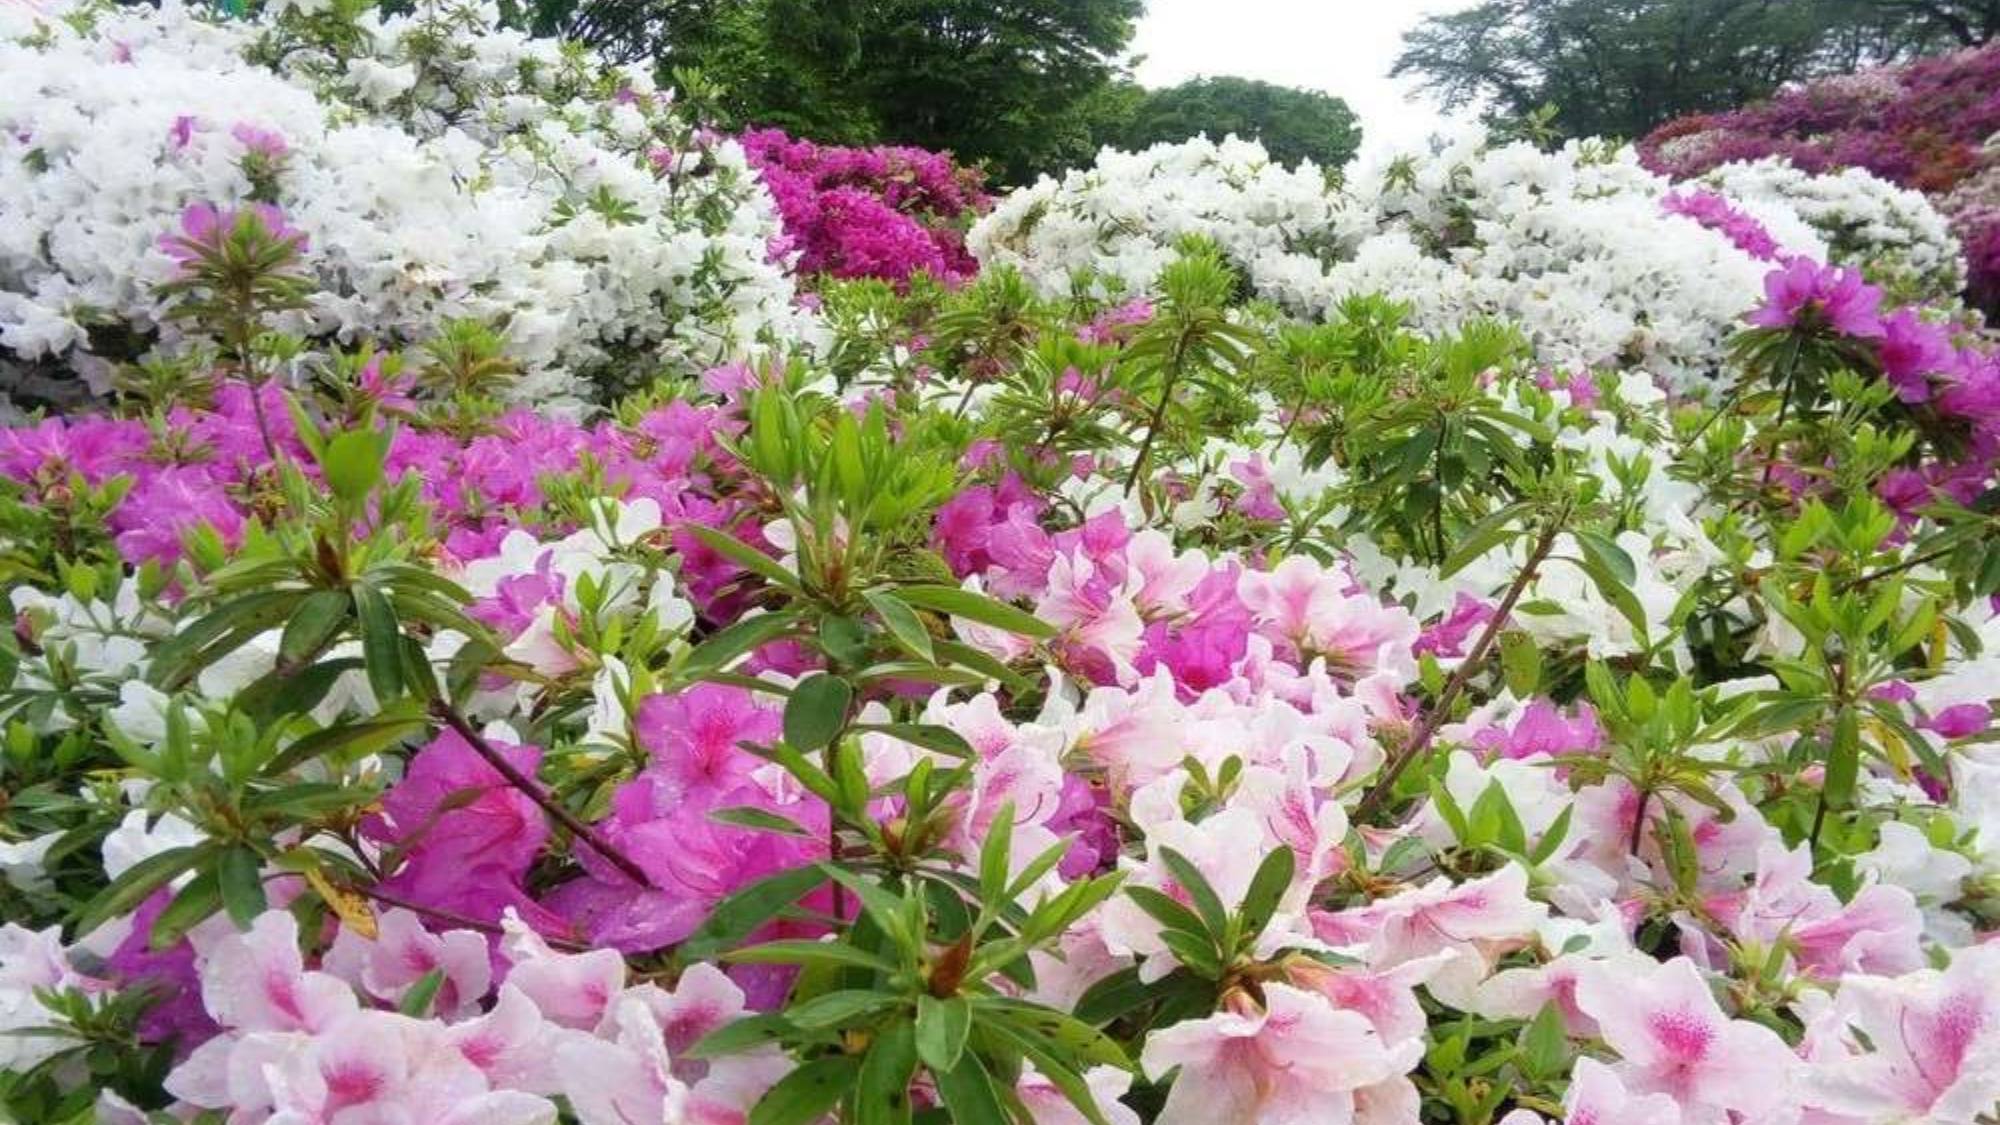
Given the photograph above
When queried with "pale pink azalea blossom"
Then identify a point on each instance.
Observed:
(626, 1077)
(1924, 1047)
(403, 953)
(1673, 1038)
(1296, 1060)
(1482, 918)
(257, 981)
(379, 1068)
(1597, 1097)
(573, 990)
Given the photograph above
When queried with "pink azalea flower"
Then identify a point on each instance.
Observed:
(1911, 351)
(570, 989)
(1297, 1060)
(1318, 612)
(695, 736)
(257, 981)
(1673, 1039)
(468, 836)
(1922, 1047)
(266, 143)
(1803, 291)
(1597, 1097)
(403, 952)
(1488, 914)
(1961, 720)
(626, 1077)
(382, 1067)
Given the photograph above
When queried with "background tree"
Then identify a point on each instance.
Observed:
(1620, 67)
(1293, 124)
(1013, 83)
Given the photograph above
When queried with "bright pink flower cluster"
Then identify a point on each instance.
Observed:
(1923, 126)
(481, 487)
(885, 212)
(1715, 212)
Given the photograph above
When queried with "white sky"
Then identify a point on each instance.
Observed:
(1344, 47)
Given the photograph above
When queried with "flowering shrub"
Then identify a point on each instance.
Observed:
(1926, 126)
(1579, 247)
(440, 167)
(1106, 706)
(884, 212)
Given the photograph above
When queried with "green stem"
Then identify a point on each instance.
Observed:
(450, 716)
(1435, 716)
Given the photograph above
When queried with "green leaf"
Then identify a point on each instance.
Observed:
(313, 627)
(1168, 913)
(191, 906)
(885, 907)
(141, 879)
(838, 1009)
(1053, 1066)
(1552, 839)
(1619, 594)
(763, 820)
(741, 1035)
(745, 556)
(942, 740)
(1544, 1046)
(354, 738)
(808, 1093)
(942, 1028)
(240, 875)
(1609, 555)
(956, 602)
(967, 1092)
(1113, 997)
(1206, 902)
(1481, 538)
(725, 646)
(381, 642)
(1267, 887)
(882, 1094)
(735, 917)
(816, 711)
(1070, 1037)
(1843, 759)
(902, 622)
(181, 657)
(995, 852)
(352, 463)
(800, 952)
(416, 1003)
(1520, 663)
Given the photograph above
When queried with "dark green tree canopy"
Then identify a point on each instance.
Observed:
(1620, 67)
(1293, 124)
(1008, 82)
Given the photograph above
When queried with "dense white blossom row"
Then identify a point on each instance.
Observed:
(440, 166)
(1574, 245)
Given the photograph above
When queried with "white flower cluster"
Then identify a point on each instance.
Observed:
(440, 166)
(1895, 234)
(1573, 246)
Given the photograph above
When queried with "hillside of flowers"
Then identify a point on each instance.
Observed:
(542, 614)
(1927, 127)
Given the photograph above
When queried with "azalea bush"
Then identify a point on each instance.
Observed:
(1926, 126)
(436, 165)
(1147, 681)
(1580, 247)
(883, 212)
